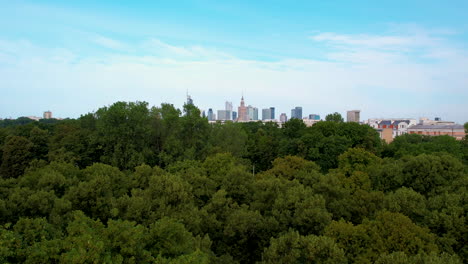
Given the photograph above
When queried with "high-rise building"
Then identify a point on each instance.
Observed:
(242, 110)
(234, 115)
(314, 117)
(252, 112)
(189, 100)
(283, 118)
(211, 115)
(228, 106)
(224, 115)
(353, 116)
(268, 113)
(47, 115)
(296, 112)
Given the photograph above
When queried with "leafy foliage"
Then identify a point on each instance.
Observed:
(133, 184)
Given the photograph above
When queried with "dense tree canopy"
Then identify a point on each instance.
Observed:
(134, 184)
(335, 117)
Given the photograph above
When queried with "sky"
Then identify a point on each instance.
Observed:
(386, 58)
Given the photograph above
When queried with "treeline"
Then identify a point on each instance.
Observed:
(133, 184)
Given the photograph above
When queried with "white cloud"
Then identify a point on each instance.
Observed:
(109, 43)
(376, 81)
(157, 47)
(372, 41)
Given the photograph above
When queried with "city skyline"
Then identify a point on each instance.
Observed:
(228, 114)
(388, 59)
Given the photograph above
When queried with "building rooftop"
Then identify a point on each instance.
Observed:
(385, 122)
(436, 127)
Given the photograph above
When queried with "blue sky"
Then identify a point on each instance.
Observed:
(393, 59)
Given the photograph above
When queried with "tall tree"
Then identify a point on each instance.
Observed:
(335, 117)
(16, 157)
(123, 129)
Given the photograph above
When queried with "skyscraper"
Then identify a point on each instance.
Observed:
(255, 113)
(353, 116)
(268, 113)
(296, 112)
(224, 115)
(252, 113)
(283, 118)
(228, 106)
(242, 111)
(211, 115)
(227, 113)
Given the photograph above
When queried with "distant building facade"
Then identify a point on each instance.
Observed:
(314, 117)
(283, 118)
(268, 113)
(211, 115)
(310, 122)
(272, 112)
(242, 110)
(224, 115)
(436, 121)
(252, 113)
(47, 115)
(228, 106)
(296, 112)
(398, 126)
(386, 134)
(353, 116)
(453, 130)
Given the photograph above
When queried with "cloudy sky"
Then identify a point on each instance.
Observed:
(394, 59)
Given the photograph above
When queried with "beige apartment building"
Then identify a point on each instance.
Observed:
(456, 131)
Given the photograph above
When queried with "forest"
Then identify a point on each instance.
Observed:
(130, 183)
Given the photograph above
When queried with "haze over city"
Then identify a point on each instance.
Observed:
(393, 59)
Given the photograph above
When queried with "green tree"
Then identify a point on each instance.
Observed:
(16, 157)
(85, 242)
(294, 128)
(389, 232)
(228, 137)
(335, 117)
(73, 144)
(41, 242)
(39, 138)
(263, 146)
(194, 133)
(128, 241)
(170, 239)
(301, 209)
(294, 248)
(433, 257)
(99, 186)
(356, 159)
(446, 217)
(408, 202)
(123, 130)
